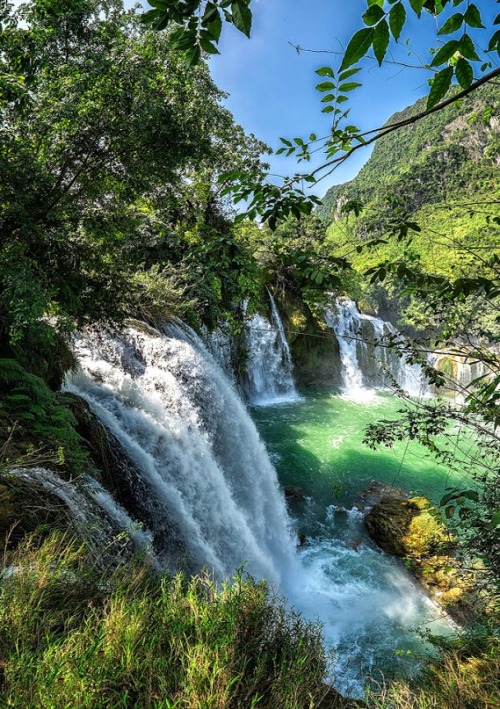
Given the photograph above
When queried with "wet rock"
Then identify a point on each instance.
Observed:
(356, 543)
(293, 494)
(407, 527)
(376, 491)
(412, 528)
(333, 700)
(7, 511)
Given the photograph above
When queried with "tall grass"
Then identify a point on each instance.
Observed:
(466, 677)
(75, 635)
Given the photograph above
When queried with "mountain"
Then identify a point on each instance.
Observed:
(448, 155)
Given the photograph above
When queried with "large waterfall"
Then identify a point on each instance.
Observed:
(213, 493)
(212, 497)
(366, 363)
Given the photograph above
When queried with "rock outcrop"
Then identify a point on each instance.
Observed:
(412, 528)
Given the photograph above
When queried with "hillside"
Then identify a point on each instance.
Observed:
(439, 173)
(463, 139)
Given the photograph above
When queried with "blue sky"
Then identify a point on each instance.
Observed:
(271, 86)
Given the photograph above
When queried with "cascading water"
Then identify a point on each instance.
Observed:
(269, 367)
(220, 345)
(213, 497)
(90, 509)
(366, 365)
(214, 492)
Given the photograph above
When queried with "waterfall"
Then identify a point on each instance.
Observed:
(90, 509)
(213, 495)
(366, 365)
(460, 373)
(269, 365)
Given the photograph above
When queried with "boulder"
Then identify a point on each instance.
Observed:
(412, 528)
(293, 494)
(407, 527)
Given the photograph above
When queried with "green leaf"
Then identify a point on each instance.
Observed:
(373, 15)
(381, 40)
(494, 42)
(440, 85)
(450, 511)
(464, 73)
(358, 46)
(473, 17)
(215, 28)
(350, 72)
(471, 495)
(446, 52)
(193, 56)
(495, 520)
(242, 16)
(327, 109)
(325, 71)
(452, 24)
(350, 86)
(397, 19)
(207, 45)
(325, 86)
(417, 6)
(468, 49)
(211, 11)
(328, 98)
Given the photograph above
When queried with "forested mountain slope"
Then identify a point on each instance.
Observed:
(439, 174)
(463, 139)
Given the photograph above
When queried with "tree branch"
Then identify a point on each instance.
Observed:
(381, 132)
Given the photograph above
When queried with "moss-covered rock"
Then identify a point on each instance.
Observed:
(411, 527)
(314, 348)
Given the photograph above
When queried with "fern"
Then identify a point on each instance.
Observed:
(32, 417)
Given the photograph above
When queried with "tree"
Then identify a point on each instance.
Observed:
(465, 60)
(110, 150)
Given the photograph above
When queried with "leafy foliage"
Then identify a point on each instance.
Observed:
(109, 162)
(198, 23)
(35, 426)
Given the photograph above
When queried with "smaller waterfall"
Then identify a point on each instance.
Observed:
(84, 505)
(269, 366)
(460, 374)
(366, 364)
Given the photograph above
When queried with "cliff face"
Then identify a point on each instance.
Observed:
(313, 346)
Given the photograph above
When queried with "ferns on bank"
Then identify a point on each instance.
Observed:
(33, 421)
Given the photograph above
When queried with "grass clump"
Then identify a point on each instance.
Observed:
(466, 677)
(75, 634)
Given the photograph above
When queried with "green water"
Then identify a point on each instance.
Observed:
(373, 613)
(317, 446)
